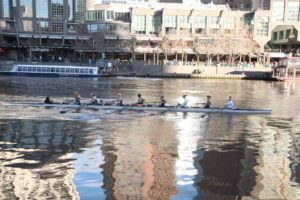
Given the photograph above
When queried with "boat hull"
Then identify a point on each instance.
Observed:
(147, 108)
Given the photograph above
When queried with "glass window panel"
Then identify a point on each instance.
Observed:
(42, 26)
(57, 27)
(14, 8)
(5, 6)
(287, 33)
(155, 24)
(26, 25)
(42, 10)
(26, 8)
(278, 11)
(262, 26)
(171, 21)
(57, 9)
(79, 10)
(70, 10)
(214, 22)
(183, 19)
(293, 11)
(200, 22)
(140, 24)
(228, 22)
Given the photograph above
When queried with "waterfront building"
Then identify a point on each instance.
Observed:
(153, 31)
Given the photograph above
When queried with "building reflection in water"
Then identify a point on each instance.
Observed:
(36, 161)
(277, 159)
(139, 159)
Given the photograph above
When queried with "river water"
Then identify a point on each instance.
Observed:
(96, 154)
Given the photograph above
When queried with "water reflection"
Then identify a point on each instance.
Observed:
(137, 155)
(36, 160)
(274, 141)
(139, 158)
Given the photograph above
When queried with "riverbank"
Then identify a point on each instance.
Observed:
(180, 70)
(139, 69)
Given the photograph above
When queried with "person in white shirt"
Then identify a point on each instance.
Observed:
(229, 104)
(185, 102)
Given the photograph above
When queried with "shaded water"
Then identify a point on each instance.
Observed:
(92, 154)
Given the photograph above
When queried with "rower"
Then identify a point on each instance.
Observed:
(162, 101)
(140, 101)
(185, 102)
(48, 100)
(229, 104)
(208, 103)
(93, 100)
(119, 101)
(77, 98)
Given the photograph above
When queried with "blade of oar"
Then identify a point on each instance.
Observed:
(76, 108)
(119, 110)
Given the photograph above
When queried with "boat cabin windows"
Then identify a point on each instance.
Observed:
(60, 70)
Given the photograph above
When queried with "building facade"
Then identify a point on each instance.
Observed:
(149, 30)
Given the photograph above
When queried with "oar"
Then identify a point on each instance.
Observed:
(71, 109)
(120, 109)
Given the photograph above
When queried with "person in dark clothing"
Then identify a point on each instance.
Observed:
(48, 100)
(162, 101)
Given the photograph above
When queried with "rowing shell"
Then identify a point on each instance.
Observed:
(147, 108)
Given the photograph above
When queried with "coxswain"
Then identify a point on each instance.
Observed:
(48, 100)
(140, 101)
(162, 101)
(93, 100)
(77, 98)
(208, 103)
(229, 104)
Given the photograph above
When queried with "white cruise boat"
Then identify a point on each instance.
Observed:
(53, 71)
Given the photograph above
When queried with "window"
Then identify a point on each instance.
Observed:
(26, 25)
(95, 15)
(228, 23)
(57, 27)
(70, 10)
(109, 14)
(184, 21)
(278, 11)
(281, 34)
(275, 35)
(42, 26)
(26, 8)
(287, 33)
(42, 9)
(140, 24)
(262, 26)
(155, 24)
(122, 16)
(57, 9)
(79, 10)
(171, 21)
(293, 11)
(214, 22)
(200, 22)
(5, 7)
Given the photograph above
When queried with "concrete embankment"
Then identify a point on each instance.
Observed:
(138, 68)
